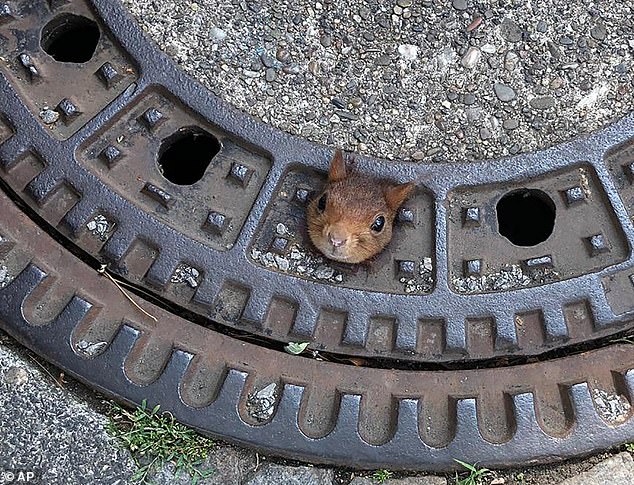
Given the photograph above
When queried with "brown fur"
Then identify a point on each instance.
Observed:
(354, 201)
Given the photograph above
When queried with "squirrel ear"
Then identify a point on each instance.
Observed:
(396, 195)
(337, 169)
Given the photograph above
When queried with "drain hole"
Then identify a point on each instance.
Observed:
(70, 38)
(184, 156)
(526, 217)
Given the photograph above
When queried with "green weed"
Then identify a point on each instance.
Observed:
(156, 439)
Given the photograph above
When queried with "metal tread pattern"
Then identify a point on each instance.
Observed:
(319, 411)
(231, 249)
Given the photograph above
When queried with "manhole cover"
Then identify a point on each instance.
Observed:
(487, 331)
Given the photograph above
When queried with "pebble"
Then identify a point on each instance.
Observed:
(16, 376)
(217, 33)
(471, 57)
(267, 60)
(469, 99)
(338, 103)
(510, 30)
(488, 48)
(324, 272)
(543, 102)
(599, 32)
(459, 4)
(404, 3)
(346, 115)
(49, 116)
(356, 102)
(510, 124)
(282, 263)
(485, 134)
(554, 50)
(282, 55)
(504, 92)
(621, 68)
(510, 61)
(556, 83)
(475, 23)
(409, 52)
(292, 69)
(565, 40)
(271, 75)
(383, 60)
(326, 40)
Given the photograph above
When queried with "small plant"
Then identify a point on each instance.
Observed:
(629, 447)
(156, 439)
(296, 348)
(380, 476)
(475, 474)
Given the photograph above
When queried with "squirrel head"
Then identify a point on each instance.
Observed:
(351, 219)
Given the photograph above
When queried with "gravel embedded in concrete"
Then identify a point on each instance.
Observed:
(421, 81)
(270, 474)
(47, 431)
(618, 470)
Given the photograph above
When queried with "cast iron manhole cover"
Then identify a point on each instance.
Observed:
(487, 331)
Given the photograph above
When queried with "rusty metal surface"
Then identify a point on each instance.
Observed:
(318, 411)
(239, 231)
(87, 146)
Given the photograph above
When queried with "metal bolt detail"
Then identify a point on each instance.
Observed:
(241, 174)
(406, 267)
(152, 118)
(471, 216)
(158, 194)
(108, 75)
(68, 110)
(473, 267)
(279, 245)
(597, 244)
(110, 155)
(216, 223)
(574, 195)
(405, 216)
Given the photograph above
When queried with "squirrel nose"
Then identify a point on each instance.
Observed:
(336, 241)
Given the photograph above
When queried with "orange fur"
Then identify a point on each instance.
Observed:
(354, 201)
(337, 169)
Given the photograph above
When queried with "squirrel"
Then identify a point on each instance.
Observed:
(351, 219)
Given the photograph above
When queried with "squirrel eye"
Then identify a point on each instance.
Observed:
(321, 205)
(377, 225)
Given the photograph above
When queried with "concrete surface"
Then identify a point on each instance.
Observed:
(618, 470)
(421, 80)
